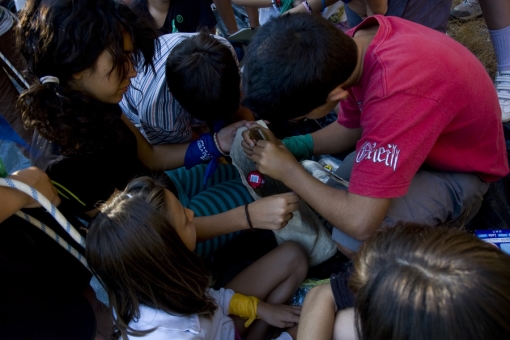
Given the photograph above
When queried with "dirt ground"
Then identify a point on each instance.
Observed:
(475, 36)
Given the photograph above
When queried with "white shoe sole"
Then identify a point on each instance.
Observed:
(474, 16)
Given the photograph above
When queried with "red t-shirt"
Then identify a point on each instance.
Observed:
(423, 98)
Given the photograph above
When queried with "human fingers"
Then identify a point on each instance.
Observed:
(255, 159)
(40, 181)
(225, 137)
(246, 139)
(251, 124)
(296, 309)
(293, 206)
(270, 136)
(290, 316)
(230, 130)
(261, 144)
(239, 124)
(290, 197)
(284, 324)
(285, 219)
(248, 150)
(288, 217)
(258, 149)
(289, 200)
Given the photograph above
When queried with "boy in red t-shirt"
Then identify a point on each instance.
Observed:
(419, 107)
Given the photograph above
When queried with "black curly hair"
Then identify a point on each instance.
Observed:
(63, 37)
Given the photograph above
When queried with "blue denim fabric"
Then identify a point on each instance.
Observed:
(430, 13)
(241, 20)
(434, 197)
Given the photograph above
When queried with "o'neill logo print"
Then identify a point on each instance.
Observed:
(379, 154)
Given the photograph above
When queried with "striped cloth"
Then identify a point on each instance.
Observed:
(224, 191)
(150, 105)
(6, 20)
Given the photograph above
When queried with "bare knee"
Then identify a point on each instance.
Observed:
(296, 259)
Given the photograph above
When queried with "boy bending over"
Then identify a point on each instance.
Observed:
(418, 107)
(195, 82)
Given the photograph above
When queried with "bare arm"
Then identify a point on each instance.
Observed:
(157, 157)
(271, 213)
(366, 8)
(226, 12)
(334, 138)
(171, 156)
(253, 16)
(357, 216)
(359, 7)
(316, 6)
(377, 7)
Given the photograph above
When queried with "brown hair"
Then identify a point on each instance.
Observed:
(417, 282)
(141, 260)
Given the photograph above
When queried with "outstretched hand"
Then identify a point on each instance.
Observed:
(248, 143)
(273, 160)
(227, 134)
(281, 316)
(38, 180)
(273, 212)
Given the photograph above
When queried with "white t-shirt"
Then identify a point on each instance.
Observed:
(193, 327)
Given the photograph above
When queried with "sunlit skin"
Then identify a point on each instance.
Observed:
(182, 220)
(103, 84)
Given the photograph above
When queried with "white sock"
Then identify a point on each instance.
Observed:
(501, 42)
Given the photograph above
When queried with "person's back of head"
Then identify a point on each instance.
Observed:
(140, 259)
(203, 75)
(417, 282)
(61, 38)
(292, 63)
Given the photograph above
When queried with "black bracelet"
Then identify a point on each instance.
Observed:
(248, 215)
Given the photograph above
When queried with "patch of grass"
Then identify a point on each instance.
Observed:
(475, 36)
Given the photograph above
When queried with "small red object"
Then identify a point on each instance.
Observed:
(255, 179)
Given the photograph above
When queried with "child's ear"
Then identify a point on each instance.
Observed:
(78, 75)
(337, 94)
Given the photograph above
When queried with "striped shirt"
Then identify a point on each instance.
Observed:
(6, 20)
(151, 107)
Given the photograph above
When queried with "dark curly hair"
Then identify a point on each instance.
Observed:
(141, 260)
(61, 38)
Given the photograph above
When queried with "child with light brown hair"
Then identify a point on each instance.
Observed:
(140, 245)
(416, 282)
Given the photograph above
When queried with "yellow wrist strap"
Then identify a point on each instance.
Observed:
(244, 307)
